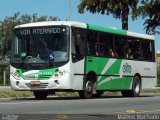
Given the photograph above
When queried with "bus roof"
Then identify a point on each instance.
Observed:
(87, 26)
(50, 23)
(118, 31)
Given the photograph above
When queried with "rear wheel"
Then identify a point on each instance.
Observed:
(136, 88)
(40, 95)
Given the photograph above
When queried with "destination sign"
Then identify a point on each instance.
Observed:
(45, 30)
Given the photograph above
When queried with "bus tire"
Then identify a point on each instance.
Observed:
(88, 90)
(89, 86)
(136, 88)
(40, 95)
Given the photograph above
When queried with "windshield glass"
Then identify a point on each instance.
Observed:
(42, 45)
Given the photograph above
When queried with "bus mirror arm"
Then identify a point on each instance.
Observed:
(73, 56)
(76, 57)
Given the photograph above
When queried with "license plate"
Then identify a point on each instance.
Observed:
(35, 83)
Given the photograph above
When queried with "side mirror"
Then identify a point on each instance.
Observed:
(74, 58)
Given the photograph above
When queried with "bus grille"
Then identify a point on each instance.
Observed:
(35, 77)
(44, 76)
(41, 85)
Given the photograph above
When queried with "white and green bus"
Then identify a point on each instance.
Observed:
(48, 57)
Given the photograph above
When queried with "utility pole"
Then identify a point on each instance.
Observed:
(4, 76)
(69, 18)
(4, 66)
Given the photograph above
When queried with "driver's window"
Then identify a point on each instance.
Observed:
(78, 44)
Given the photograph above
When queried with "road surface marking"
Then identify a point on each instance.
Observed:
(130, 111)
(62, 117)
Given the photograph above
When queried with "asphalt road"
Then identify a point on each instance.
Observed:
(62, 108)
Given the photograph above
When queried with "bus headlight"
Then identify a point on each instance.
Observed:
(16, 76)
(59, 74)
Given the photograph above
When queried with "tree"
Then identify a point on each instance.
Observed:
(149, 10)
(7, 25)
(120, 9)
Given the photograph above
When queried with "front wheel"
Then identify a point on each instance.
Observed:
(88, 90)
(136, 88)
(40, 95)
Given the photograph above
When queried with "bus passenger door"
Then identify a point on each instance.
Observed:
(77, 53)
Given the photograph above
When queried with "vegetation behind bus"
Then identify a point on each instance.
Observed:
(122, 9)
(119, 9)
(158, 76)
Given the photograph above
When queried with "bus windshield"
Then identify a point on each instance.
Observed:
(41, 46)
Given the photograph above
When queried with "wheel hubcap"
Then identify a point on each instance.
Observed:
(89, 86)
(137, 88)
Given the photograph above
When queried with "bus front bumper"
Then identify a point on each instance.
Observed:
(50, 84)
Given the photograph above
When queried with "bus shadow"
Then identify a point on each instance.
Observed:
(78, 98)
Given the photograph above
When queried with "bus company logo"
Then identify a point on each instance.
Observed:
(127, 68)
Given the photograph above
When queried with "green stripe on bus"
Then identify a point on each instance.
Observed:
(95, 64)
(116, 84)
(114, 69)
(106, 29)
(40, 75)
(107, 66)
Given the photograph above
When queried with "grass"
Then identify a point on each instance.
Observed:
(15, 94)
(151, 91)
(25, 94)
(67, 94)
(109, 93)
(7, 85)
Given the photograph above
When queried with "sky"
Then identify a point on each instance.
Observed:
(63, 10)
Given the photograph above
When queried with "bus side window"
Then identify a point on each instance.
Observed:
(134, 50)
(92, 47)
(147, 47)
(107, 45)
(138, 50)
(152, 52)
(121, 49)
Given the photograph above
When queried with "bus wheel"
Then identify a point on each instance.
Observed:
(88, 90)
(40, 95)
(136, 88)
